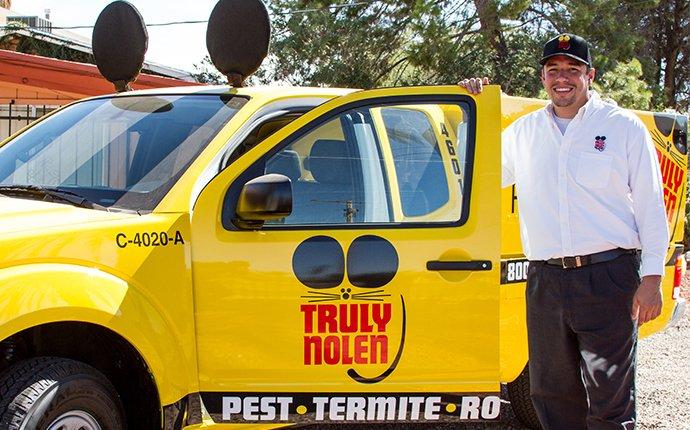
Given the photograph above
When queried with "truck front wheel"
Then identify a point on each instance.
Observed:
(518, 392)
(49, 393)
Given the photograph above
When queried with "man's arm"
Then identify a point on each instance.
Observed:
(646, 185)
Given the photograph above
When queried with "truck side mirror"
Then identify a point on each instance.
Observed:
(267, 197)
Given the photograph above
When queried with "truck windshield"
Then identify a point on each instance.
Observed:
(123, 152)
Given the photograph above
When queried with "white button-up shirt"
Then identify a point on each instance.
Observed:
(594, 188)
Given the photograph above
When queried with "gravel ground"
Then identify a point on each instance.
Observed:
(663, 375)
(663, 386)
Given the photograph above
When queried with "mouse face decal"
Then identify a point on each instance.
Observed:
(348, 311)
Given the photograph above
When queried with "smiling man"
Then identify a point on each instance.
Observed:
(593, 225)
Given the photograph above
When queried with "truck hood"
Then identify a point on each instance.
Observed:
(17, 215)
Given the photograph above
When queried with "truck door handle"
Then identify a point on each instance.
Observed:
(473, 265)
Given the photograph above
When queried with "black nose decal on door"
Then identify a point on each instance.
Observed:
(319, 262)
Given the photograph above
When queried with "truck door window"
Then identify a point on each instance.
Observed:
(428, 145)
(328, 169)
(418, 162)
(378, 165)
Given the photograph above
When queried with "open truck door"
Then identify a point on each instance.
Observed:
(347, 267)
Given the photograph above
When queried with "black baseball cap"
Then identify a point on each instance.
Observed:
(569, 45)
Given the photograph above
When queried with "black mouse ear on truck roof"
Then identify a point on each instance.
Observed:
(119, 43)
(237, 38)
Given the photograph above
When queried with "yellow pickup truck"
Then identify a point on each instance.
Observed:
(210, 257)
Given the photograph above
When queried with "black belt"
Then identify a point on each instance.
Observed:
(584, 260)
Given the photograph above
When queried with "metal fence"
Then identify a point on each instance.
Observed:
(15, 117)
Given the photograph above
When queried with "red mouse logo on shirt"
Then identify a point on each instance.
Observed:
(600, 143)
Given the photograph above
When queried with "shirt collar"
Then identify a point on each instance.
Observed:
(593, 102)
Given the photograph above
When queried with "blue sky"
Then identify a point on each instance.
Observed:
(178, 46)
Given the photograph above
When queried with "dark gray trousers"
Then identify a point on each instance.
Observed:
(582, 344)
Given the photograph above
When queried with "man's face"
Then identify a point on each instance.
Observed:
(566, 81)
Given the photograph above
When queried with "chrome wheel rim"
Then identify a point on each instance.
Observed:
(75, 420)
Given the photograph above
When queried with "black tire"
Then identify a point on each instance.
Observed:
(520, 401)
(34, 393)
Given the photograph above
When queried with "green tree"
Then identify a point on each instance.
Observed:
(479, 38)
(402, 42)
(665, 53)
(358, 46)
(378, 43)
(610, 26)
(656, 32)
(624, 85)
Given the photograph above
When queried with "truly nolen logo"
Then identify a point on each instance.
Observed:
(348, 323)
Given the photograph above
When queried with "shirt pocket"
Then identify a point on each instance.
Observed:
(593, 170)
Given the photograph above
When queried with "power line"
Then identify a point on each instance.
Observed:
(163, 24)
(160, 24)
